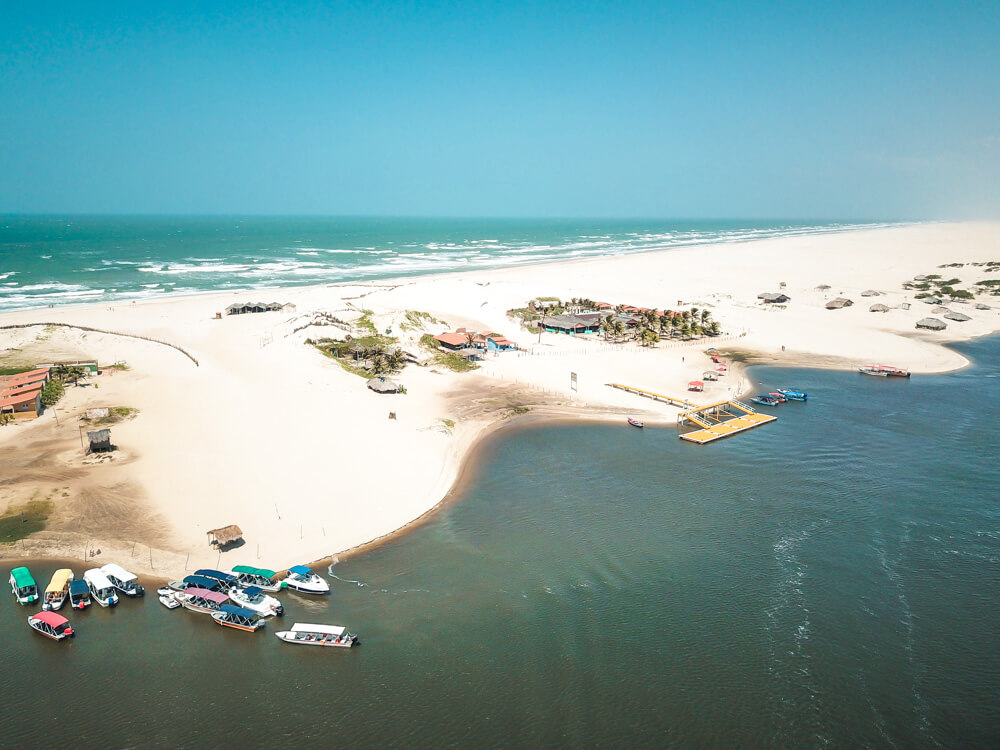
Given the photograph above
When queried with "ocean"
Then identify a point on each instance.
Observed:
(828, 580)
(52, 260)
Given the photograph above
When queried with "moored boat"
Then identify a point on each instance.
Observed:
(319, 635)
(884, 371)
(254, 598)
(23, 586)
(766, 400)
(201, 600)
(168, 600)
(51, 625)
(778, 397)
(241, 618)
(79, 594)
(57, 591)
(226, 580)
(101, 589)
(195, 582)
(262, 578)
(793, 395)
(302, 579)
(121, 579)
(635, 422)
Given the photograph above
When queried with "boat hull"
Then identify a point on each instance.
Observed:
(168, 601)
(236, 626)
(54, 604)
(41, 629)
(289, 637)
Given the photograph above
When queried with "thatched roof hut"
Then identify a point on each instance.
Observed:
(870, 293)
(940, 310)
(957, 317)
(381, 385)
(837, 304)
(932, 324)
(225, 535)
(981, 306)
(878, 307)
(773, 298)
(933, 301)
(99, 441)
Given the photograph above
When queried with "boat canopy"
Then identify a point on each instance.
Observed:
(59, 580)
(79, 586)
(211, 596)
(232, 609)
(252, 591)
(51, 618)
(117, 571)
(218, 575)
(300, 570)
(22, 578)
(301, 627)
(201, 582)
(264, 572)
(96, 578)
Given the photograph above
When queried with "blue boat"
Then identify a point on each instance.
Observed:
(196, 582)
(793, 395)
(226, 580)
(766, 400)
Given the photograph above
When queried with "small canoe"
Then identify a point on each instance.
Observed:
(635, 422)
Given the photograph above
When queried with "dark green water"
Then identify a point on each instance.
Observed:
(830, 580)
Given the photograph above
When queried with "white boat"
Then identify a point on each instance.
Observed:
(241, 618)
(201, 600)
(300, 578)
(319, 635)
(262, 578)
(121, 579)
(252, 597)
(57, 591)
(101, 589)
(23, 586)
(168, 600)
(51, 625)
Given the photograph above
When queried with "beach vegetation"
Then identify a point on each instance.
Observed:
(365, 321)
(416, 319)
(115, 415)
(22, 521)
(444, 358)
(120, 366)
(69, 373)
(52, 391)
(366, 356)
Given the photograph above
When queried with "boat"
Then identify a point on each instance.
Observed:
(121, 579)
(201, 600)
(79, 594)
(23, 586)
(51, 625)
(195, 582)
(254, 598)
(241, 618)
(793, 395)
(302, 579)
(262, 578)
(226, 580)
(167, 600)
(634, 422)
(884, 371)
(319, 635)
(778, 397)
(101, 589)
(766, 400)
(57, 591)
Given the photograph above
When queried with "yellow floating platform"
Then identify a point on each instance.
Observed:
(727, 428)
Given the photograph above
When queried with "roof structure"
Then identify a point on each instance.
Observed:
(381, 385)
(226, 534)
(839, 303)
(300, 570)
(773, 297)
(51, 618)
(870, 293)
(458, 338)
(22, 577)
(878, 307)
(932, 324)
(957, 317)
(15, 399)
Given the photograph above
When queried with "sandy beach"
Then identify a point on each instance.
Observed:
(259, 429)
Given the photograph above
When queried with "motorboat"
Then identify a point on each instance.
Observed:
(201, 600)
(778, 397)
(79, 594)
(101, 589)
(57, 591)
(241, 618)
(884, 371)
(23, 586)
(254, 598)
(121, 579)
(302, 579)
(766, 400)
(262, 578)
(226, 580)
(791, 395)
(168, 600)
(635, 422)
(51, 625)
(319, 635)
(195, 582)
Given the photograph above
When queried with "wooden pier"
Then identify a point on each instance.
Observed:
(716, 421)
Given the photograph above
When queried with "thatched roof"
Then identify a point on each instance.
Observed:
(940, 310)
(226, 534)
(836, 304)
(932, 301)
(773, 298)
(381, 385)
(878, 307)
(958, 317)
(932, 324)
(870, 293)
(981, 306)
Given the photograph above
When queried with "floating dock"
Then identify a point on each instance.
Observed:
(715, 421)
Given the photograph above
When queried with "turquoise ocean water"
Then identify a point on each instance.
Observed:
(50, 260)
(827, 581)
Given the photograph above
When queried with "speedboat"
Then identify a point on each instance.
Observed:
(766, 400)
(57, 591)
(121, 579)
(241, 618)
(634, 422)
(262, 578)
(101, 589)
(226, 580)
(23, 586)
(884, 371)
(793, 395)
(79, 594)
(253, 597)
(51, 625)
(319, 635)
(201, 600)
(195, 582)
(302, 579)
(167, 599)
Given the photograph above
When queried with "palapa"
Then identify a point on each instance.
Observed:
(932, 324)
(870, 293)
(878, 307)
(225, 535)
(957, 317)
(837, 304)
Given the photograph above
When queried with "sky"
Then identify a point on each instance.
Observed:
(700, 109)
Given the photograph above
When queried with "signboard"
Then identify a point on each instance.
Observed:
(572, 382)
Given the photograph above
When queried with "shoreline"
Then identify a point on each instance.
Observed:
(181, 472)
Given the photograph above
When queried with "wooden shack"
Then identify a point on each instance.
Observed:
(99, 441)
(225, 536)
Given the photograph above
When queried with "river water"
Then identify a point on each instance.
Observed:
(829, 580)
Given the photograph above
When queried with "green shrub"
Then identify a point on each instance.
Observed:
(52, 391)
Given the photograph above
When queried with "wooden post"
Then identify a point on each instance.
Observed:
(133, 548)
(186, 560)
(151, 559)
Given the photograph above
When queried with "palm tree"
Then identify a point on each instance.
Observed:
(705, 315)
(715, 328)
(649, 337)
(619, 328)
(685, 330)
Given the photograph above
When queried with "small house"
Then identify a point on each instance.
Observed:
(931, 324)
(454, 341)
(99, 441)
(839, 303)
(773, 298)
(382, 385)
(572, 324)
(22, 404)
(470, 353)
(497, 343)
(225, 536)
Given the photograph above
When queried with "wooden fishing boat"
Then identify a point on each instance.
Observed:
(57, 591)
(884, 371)
(635, 422)
(319, 635)
(51, 625)
(240, 618)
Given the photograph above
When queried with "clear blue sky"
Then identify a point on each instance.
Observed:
(655, 109)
